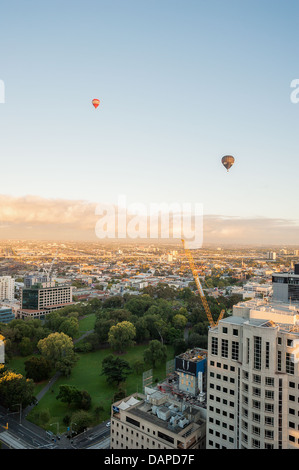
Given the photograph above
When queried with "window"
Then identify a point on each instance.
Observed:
(256, 404)
(256, 391)
(132, 421)
(269, 434)
(248, 349)
(269, 421)
(279, 360)
(165, 437)
(256, 444)
(290, 363)
(235, 332)
(269, 407)
(257, 379)
(224, 348)
(269, 394)
(214, 346)
(257, 351)
(235, 351)
(267, 355)
(256, 417)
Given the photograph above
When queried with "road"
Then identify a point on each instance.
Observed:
(25, 435)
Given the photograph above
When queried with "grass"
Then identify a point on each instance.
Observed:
(86, 324)
(86, 376)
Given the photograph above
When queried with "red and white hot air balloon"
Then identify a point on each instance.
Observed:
(96, 103)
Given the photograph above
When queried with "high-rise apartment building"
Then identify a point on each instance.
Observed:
(253, 378)
(7, 288)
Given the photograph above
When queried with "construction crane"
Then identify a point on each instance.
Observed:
(200, 289)
(49, 270)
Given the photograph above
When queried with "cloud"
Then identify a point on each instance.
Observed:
(33, 217)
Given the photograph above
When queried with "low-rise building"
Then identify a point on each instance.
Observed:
(155, 421)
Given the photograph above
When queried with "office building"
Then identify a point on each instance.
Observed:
(41, 299)
(253, 378)
(6, 315)
(7, 288)
(286, 286)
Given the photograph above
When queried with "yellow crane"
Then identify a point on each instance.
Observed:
(200, 289)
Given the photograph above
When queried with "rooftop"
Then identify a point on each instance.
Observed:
(176, 417)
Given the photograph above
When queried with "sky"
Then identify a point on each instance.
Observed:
(181, 84)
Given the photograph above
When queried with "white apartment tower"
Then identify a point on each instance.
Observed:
(7, 288)
(253, 378)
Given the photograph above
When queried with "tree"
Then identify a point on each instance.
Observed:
(113, 302)
(26, 346)
(38, 368)
(59, 349)
(71, 395)
(179, 346)
(121, 336)
(14, 388)
(138, 366)
(68, 394)
(81, 419)
(69, 326)
(155, 353)
(115, 369)
(179, 321)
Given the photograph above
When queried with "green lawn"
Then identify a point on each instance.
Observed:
(86, 324)
(86, 376)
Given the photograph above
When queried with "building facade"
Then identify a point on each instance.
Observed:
(153, 421)
(41, 299)
(7, 288)
(286, 286)
(253, 378)
(6, 315)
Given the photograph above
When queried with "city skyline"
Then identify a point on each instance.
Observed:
(180, 86)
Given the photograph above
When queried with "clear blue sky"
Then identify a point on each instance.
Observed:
(181, 84)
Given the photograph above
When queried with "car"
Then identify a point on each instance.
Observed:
(108, 424)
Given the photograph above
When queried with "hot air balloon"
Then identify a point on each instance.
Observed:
(96, 102)
(228, 161)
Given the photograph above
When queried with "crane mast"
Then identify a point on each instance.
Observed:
(200, 289)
